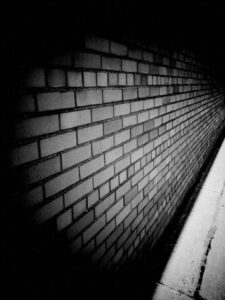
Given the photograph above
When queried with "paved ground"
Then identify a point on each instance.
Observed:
(196, 267)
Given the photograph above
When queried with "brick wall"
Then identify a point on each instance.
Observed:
(108, 140)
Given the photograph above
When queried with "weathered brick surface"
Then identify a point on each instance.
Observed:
(104, 145)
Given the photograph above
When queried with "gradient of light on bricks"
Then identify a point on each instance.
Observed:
(108, 141)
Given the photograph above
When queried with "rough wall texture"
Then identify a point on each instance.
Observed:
(109, 139)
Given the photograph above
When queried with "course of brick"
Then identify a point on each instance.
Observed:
(109, 139)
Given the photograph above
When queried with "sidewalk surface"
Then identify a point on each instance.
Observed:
(196, 268)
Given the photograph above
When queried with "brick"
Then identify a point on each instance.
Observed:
(113, 211)
(148, 168)
(41, 170)
(143, 68)
(148, 56)
(25, 103)
(113, 79)
(123, 176)
(36, 78)
(136, 106)
(121, 109)
(130, 240)
(157, 122)
(94, 229)
(76, 156)
(114, 236)
(122, 164)
(128, 147)
(142, 117)
(102, 113)
(129, 65)
(123, 190)
(104, 205)
(56, 78)
(105, 232)
(148, 125)
(137, 220)
(153, 113)
(98, 44)
(137, 165)
(150, 80)
(144, 80)
(114, 182)
(130, 195)
(123, 214)
(102, 79)
(142, 183)
(79, 209)
(93, 198)
(57, 143)
(112, 126)
(80, 225)
(136, 155)
(24, 154)
(149, 103)
(118, 49)
(123, 238)
(154, 70)
(162, 70)
(78, 192)
(89, 79)
(137, 79)
(148, 147)
(143, 139)
(48, 211)
(75, 119)
(122, 78)
(74, 79)
(129, 94)
(112, 95)
(103, 176)
(87, 60)
(88, 97)
(102, 145)
(111, 63)
(137, 199)
(64, 220)
(91, 166)
(143, 92)
(130, 79)
(154, 91)
(104, 190)
(37, 126)
(121, 137)
(113, 155)
(131, 120)
(61, 182)
(89, 133)
(154, 133)
(54, 101)
(163, 90)
(130, 218)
